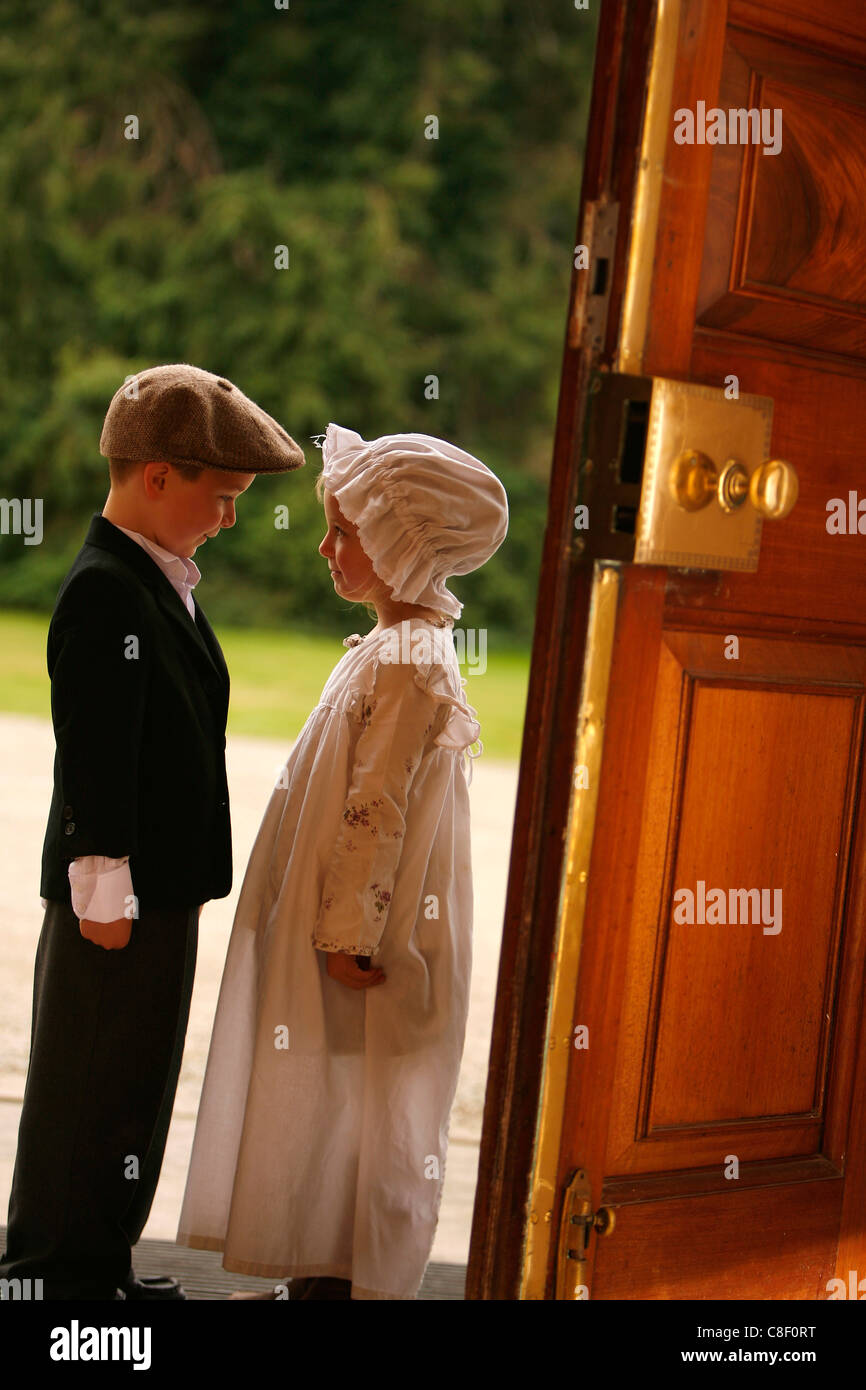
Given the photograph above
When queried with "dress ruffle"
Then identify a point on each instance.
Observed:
(340, 946)
(462, 729)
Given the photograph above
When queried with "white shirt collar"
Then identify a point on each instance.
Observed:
(173, 566)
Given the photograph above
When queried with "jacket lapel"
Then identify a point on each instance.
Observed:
(206, 633)
(106, 536)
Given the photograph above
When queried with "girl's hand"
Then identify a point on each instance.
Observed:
(346, 969)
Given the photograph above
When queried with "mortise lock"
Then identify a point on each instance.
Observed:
(650, 489)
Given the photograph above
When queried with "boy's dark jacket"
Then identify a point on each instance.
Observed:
(139, 700)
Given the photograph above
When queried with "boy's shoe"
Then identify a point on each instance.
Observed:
(152, 1286)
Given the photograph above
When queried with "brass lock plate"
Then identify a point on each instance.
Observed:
(577, 1222)
(685, 416)
(637, 431)
(574, 1233)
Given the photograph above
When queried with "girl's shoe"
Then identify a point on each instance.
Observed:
(314, 1287)
(320, 1287)
(269, 1294)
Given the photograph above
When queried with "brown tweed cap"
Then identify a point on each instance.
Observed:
(183, 414)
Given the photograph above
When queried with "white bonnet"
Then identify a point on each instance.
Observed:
(424, 509)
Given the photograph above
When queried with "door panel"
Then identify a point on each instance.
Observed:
(782, 258)
(726, 1077)
(749, 1259)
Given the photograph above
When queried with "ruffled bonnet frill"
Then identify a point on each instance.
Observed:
(425, 509)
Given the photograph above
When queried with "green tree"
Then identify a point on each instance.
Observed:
(409, 258)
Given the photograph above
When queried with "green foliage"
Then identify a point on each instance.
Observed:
(277, 677)
(408, 257)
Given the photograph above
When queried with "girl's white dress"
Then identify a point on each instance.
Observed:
(323, 1124)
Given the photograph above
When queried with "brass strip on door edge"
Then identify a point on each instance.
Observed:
(538, 1229)
(648, 191)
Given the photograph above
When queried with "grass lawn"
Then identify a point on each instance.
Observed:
(277, 678)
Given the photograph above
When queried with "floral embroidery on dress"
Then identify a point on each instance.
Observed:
(327, 901)
(342, 947)
(367, 712)
(381, 897)
(359, 815)
(354, 640)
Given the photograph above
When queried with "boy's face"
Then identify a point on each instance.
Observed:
(191, 513)
(351, 568)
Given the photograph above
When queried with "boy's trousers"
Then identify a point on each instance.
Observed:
(107, 1040)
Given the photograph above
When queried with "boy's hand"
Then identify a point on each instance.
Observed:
(346, 969)
(113, 936)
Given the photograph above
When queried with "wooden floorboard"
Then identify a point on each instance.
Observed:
(203, 1277)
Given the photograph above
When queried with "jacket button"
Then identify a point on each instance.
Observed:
(69, 828)
(68, 813)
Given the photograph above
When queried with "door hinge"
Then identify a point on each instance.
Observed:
(594, 256)
(577, 1224)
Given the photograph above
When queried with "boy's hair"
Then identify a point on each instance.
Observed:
(120, 469)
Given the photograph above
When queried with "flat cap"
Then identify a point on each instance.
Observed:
(183, 414)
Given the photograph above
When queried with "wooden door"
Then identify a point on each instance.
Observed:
(717, 1099)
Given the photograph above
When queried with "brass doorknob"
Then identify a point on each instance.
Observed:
(693, 480)
(604, 1221)
(772, 488)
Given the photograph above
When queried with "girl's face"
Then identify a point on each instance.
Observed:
(351, 568)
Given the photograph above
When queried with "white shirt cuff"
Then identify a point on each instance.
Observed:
(101, 888)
